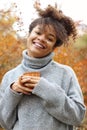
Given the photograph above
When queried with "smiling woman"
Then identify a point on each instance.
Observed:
(41, 41)
(52, 99)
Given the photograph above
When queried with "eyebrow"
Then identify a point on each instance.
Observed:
(50, 34)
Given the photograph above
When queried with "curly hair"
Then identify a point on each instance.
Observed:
(64, 26)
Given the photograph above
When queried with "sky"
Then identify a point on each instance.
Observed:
(76, 9)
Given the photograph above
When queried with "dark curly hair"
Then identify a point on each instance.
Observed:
(64, 26)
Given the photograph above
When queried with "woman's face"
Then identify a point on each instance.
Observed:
(40, 41)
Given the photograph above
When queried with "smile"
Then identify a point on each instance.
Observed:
(38, 45)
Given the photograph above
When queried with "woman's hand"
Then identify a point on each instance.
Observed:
(25, 84)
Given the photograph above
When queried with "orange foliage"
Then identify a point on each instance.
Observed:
(10, 53)
(11, 49)
(10, 45)
(77, 59)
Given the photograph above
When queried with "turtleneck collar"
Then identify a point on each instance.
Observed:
(35, 63)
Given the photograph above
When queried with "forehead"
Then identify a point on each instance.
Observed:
(46, 29)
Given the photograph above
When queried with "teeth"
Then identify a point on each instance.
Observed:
(39, 45)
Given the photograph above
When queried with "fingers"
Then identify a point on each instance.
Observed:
(29, 85)
(29, 79)
(25, 90)
(25, 84)
(21, 89)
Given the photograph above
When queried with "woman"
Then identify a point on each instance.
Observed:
(53, 99)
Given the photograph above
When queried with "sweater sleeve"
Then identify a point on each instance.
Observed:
(68, 108)
(8, 105)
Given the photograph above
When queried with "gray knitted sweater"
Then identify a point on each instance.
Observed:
(56, 102)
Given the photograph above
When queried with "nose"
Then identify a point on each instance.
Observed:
(42, 37)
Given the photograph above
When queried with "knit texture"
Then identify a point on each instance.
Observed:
(56, 102)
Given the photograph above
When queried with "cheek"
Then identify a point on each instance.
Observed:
(50, 49)
(29, 39)
(51, 46)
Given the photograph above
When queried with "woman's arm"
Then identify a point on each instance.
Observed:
(68, 108)
(9, 100)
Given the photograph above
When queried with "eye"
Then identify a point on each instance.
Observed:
(50, 39)
(37, 32)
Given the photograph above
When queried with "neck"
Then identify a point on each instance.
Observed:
(32, 62)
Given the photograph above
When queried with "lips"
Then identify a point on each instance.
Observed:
(39, 45)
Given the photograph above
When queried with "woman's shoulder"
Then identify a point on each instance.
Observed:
(63, 67)
(12, 72)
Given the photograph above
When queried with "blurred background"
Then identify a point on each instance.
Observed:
(15, 17)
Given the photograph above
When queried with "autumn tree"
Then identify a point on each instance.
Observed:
(10, 44)
(75, 55)
(11, 48)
